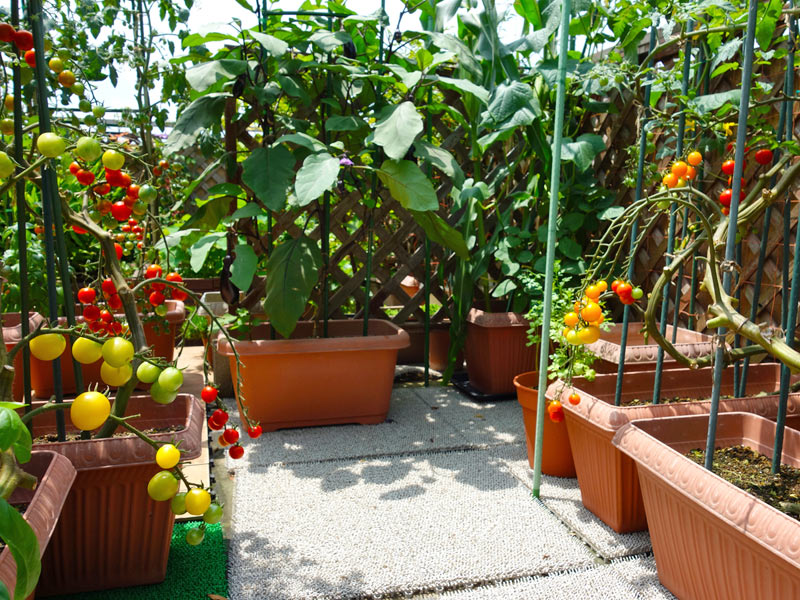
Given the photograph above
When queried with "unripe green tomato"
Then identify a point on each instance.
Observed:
(99, 111)
(101, 127)
(147, 372)
(139, 208)
(64, 53)
(7, 126)
(6, 165)
(90, 120)
(95, 216)
(50, 145)
(128, 245)
(84, 105)
(637, 293)
(77, 88)
(590, 374)
(162, 486)
(160, 395)
(88, 149)
(213, 514)
(178, 504)
(147, 193)
(161, 309)
(194, 537)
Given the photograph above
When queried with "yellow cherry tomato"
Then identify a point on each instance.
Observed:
(573, 338)
(168, 456)
(591, 312)
(89, 410)
(115, 376)
(589, 335)
(602, 285)
(86, 351)
(197, 501)
(694, 158)
(679, 168)
(48, 346)
(571, 319)
(593, 292)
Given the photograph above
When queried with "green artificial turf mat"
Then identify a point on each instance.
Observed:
(193, 572)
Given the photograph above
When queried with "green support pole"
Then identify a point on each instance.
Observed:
(49, 196)
(730, 243)
(555, 183)
(22, 238)
(673, 216)
(626, 312)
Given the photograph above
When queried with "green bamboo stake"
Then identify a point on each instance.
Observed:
(555, 183)
(730, 243)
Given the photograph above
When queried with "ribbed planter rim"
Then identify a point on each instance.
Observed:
(646, 353)
(482, 318)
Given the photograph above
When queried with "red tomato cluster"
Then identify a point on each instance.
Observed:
(156, 289)
(21, 38)
(763, 156)
(682, 172)
(626, 293)
(101, 321)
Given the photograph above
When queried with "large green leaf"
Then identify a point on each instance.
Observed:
(202, 113)
(21, 540)
(348, 123)
(199, 251)
(317, 175)
(583, 150)
(440, 232)
(293, 89)
(270, 43)
(711, 102)
(408, 185)
(292, 271)
(464, 85)
(200, 178)
(512, 103)
(441, 159)
(268, 172)
(209, 215)
(768, 15)
(198, 39)
(329, 40)
(302, 139)
(397, 131)
(203, 76)
(244, 266)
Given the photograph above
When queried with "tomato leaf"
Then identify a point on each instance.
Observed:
(21, 540)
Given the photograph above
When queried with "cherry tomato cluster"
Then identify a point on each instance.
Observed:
(681, 172)
(582, 323)
(218, 420)
(21, 38)
(626, 293)
(155, 291)
(763, 156)
(164, 486)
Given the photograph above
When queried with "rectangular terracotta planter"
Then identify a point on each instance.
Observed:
(307, 380)
(160, 338)
(112, 534)
(712, 540)
(497, 350)
(44, 505)
(608, 479)
(641, 354)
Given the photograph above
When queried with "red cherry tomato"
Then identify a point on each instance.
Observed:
(574, 398)
(74, 168)
(23, 39)
(102, 189)
(153, 271)
(236, 452)
(220, 415)
(555, 411)
(108, 287)
(85, 177)
(764, 156)
(91, 313)
(728, 166)
(156, 298)
(725, 197)
(209, 394)
(174, 276)
(6, 32)
(254, 431)
(86, 295)
(133, 190)
(120, 211)
(30, 58)
(179, 295)
(79, 230)
(231, 436)
(114, 302)
(214, 423)
(119, 250)
(624, 289)
(106, 316)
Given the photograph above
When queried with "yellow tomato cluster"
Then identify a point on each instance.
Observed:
(583, 322)
(682, 172)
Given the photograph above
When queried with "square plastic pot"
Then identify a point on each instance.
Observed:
(161, 338)
(497, 350)
(308, 380)
(556, 452)
(607, 478)
(111, 533)
(43, 505)
(640, 353)
(439, 345)
(712, 540)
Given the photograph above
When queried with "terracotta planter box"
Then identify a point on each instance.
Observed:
(607, 478)
(44, 504)
(201, 285)
(437, 351)
(556, 453)
(641, 354)
(161, 339)
(306, 380)
(711, 540)
(12, 334)
(497, 350)
(111, 533)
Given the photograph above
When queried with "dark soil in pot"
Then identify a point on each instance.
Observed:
(751, 471)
